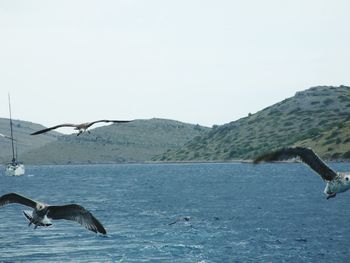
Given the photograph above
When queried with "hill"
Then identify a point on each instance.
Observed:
(136, 141)
(331, 144)
(318, 118)
(21, 132)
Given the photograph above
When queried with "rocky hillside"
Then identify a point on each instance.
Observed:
(136, 141)
(318, 118)
(331, 144)
(21, 132)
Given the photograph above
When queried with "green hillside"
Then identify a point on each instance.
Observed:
(331, 144)
(136, 141)
(21, 132)
(317, 117)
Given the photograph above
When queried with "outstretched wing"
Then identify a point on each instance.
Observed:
(306, 155)
(5, 136)
(17, 199)
(78, 214)
(114, 121)
(54, 127)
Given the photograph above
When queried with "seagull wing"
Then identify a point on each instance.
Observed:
(114, 121)
(17, 199)
(306, 155)
(78, 214)
(53, 127)
(5, 136)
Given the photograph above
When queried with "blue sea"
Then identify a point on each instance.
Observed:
(228, 212)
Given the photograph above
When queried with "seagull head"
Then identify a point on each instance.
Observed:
(341, 184)
(40, 206)
(346, 181)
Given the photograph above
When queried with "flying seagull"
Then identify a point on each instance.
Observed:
(336, 182)
(42, 213)
(80, 127)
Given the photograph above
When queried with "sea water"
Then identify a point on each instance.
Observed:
(180, 213)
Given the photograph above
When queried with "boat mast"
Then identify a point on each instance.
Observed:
(13, 148)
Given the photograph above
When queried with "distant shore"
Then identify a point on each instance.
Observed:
(179, 162)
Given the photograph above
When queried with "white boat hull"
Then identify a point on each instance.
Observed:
(15, 170)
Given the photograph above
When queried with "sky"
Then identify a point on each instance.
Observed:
(201, 62)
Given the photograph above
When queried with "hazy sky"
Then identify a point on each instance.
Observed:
(206, 62)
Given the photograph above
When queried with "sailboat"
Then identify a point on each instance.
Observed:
(14, 168)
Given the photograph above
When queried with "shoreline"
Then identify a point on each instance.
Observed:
(178, 162)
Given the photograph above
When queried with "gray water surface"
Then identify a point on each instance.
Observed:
(234, 212)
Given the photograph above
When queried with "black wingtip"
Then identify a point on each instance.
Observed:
(121, 121)
(276, 155)
(98, 226)
(36, 133)
(257, 160)
(99, 229)
(102, 231)
(264, 158)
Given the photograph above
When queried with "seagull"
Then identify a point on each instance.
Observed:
(82, 127)
(42, 213)
(336, 182)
